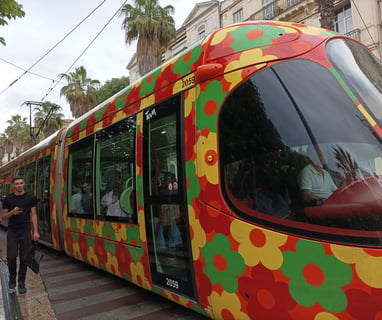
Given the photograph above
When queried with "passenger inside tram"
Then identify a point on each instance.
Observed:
(87, 198)
(76, 206)
(168, 233)
(110, 201)
(315, 182)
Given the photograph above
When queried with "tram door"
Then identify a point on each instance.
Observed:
(42, 196)
(166, 216)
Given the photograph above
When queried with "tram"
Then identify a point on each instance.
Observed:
(188, 182)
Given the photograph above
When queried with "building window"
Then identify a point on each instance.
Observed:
(344, 22)
(179, 47)
(238, 16)
(292, 2)
(202, 35)
(268, 10)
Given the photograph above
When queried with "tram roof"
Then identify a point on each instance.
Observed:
(261, 41)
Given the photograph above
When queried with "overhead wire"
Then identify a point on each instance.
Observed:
(50, 50)
(55, 83)
(22, 69)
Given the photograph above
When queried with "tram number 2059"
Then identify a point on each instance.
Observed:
(172, 283)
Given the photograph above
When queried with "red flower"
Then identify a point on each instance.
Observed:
(100, 252)
(124, 259)
(267, 299)
(363, 305)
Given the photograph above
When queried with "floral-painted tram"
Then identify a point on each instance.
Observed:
(188, 182)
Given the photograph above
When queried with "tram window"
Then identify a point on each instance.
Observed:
(5, 185)
(361, 70)
(289, 114)
(80, 178)
(28, 173)
(116, 172)
(43, 195)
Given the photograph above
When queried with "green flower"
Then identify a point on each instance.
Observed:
(110, 246)
(108, 232)
(148, 83)
(98, 114)
(193, 185)
(136, 251)
(73, 225)
(121, 99)
(316, 277)
(184, 63)
(208, 104)
(89, 230)
(222, 264)
(254, 36)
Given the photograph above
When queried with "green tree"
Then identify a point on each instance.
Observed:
(153, 26)
(80, 92)
(9, 9)
(110, 88)
(18, 132)
(48, 118)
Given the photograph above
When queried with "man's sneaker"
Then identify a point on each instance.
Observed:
(12, 286)
(22, 288)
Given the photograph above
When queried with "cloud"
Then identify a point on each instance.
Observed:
(45, 24)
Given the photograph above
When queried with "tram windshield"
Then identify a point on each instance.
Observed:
(295, 147)
(360, 70)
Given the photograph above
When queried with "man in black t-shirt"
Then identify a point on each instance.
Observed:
(19, 208)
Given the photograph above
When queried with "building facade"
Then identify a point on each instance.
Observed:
(359, 19)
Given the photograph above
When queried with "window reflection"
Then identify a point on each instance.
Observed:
(285, 119)
(116, 167)
(361, 71)
(81, 178)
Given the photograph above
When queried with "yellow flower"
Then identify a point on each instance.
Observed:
(177, 299)
(112, 264)
(77, 251)
(207, 147)
(325, 316)
(198, 236)
(368, 267)
(142, 225)
(311, 30)
(148, 101)
(258, 245)
(221, 35)
(138, 275)
(190, 99)
(92, 258)
(98, 227)
(247, 58)
(120, 232)
(227, 303)
(81, 225)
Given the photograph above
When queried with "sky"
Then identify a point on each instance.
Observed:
(45, 24)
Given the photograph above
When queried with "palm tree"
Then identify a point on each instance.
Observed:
(3, 143)
(18, 132)
(154, 28)
(80, 91)
(48, 118)
(327, 17)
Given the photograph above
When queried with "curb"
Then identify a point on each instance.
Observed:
(11, 303)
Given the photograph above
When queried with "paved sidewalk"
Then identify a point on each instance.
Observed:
(33, 305)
